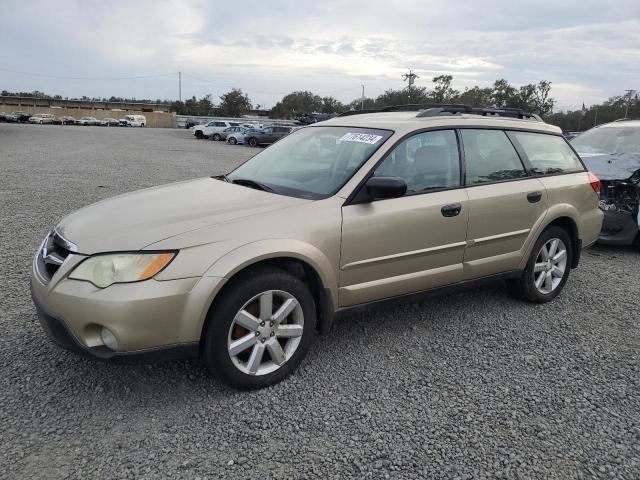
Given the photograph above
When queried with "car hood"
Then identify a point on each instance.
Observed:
(135, 220)
(612, 166)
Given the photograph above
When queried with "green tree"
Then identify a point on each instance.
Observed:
(205, 106)
(442, 91)
(296, 104)
(503, 94)
(332, 105)
(234, 103)
(357, 104)
(393, 97)
(476, 96)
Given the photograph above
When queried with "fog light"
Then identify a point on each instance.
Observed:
(109, 339)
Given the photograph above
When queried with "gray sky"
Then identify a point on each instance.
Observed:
(590, 50)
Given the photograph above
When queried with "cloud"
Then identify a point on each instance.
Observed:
(588, 49)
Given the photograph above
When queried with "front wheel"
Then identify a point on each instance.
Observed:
(199, 135)
(548, 267)
(232, 141)
(253, 142)
(259, 329)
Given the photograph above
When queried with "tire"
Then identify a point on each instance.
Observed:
(199, 134)
(216, 137)
(243, 294)
(253, 142)
(232, 141)
(528, 286)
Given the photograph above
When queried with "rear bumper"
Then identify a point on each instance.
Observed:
(618, 228)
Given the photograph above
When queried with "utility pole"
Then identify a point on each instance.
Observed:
(595, 120)
(410, 78)
(362, 99)
(180, 86)
(629, 93)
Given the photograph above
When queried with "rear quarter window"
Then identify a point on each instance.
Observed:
(547, 154)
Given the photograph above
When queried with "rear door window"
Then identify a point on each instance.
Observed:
(490, 157)
(547, 154)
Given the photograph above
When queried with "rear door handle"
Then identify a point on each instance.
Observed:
(451, 210)
(534, 197)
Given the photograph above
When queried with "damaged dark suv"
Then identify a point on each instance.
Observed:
(612, 152)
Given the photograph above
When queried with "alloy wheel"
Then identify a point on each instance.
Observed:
(550, 266)
(265, 332)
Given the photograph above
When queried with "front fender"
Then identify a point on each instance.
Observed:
(248, 254)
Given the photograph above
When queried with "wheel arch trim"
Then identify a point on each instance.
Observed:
(554, 215)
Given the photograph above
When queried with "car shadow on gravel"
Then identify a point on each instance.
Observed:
(110, 380)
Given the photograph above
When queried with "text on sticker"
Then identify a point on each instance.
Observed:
(361, 138)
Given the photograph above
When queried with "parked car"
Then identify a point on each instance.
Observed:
(41, 118)
(88, 121)
(571, 135)
(212, 129)
(612, 152)
(3, 116)
(237, 138)
(266, 136)
(109, 122)
(133, 121)
(231, 130)
(64, 120)
(191, 123)
(18, 117)
(243, 269)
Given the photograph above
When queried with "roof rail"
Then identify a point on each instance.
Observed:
(348, 113)
(487, 112)
(435, 110)
(626, 120)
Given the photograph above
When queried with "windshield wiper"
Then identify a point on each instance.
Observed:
(252, 184)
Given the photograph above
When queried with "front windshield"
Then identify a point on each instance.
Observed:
(313, 162)
(608, 140)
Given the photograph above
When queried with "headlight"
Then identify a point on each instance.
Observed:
(105, 270)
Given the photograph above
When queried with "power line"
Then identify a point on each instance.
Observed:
(64, 77)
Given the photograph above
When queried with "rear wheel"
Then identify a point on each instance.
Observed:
(548, 267)
(199, 134)
(216, 137)
(260, 329)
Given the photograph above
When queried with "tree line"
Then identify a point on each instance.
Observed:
(534, 98)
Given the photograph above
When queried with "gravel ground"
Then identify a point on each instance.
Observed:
(470, 385)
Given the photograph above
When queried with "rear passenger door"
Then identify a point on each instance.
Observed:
(505, 203)
(268, 136)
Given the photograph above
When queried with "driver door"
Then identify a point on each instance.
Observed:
(404, 245)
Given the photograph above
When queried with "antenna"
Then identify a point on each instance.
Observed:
(410, 78)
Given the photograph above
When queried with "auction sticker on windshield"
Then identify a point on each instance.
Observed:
(361, 138)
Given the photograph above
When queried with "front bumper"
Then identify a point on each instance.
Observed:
(618, 228)
(150, 319)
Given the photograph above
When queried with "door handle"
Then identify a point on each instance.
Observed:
(534, 197)
(451, 210)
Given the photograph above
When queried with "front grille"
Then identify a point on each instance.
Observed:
(53, 253)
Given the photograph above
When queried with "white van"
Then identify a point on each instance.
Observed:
(133, 121)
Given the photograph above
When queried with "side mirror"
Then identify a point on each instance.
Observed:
(379, 188)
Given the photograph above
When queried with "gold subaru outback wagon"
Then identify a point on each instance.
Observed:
(243, 269)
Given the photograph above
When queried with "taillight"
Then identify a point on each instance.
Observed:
(595, 183)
